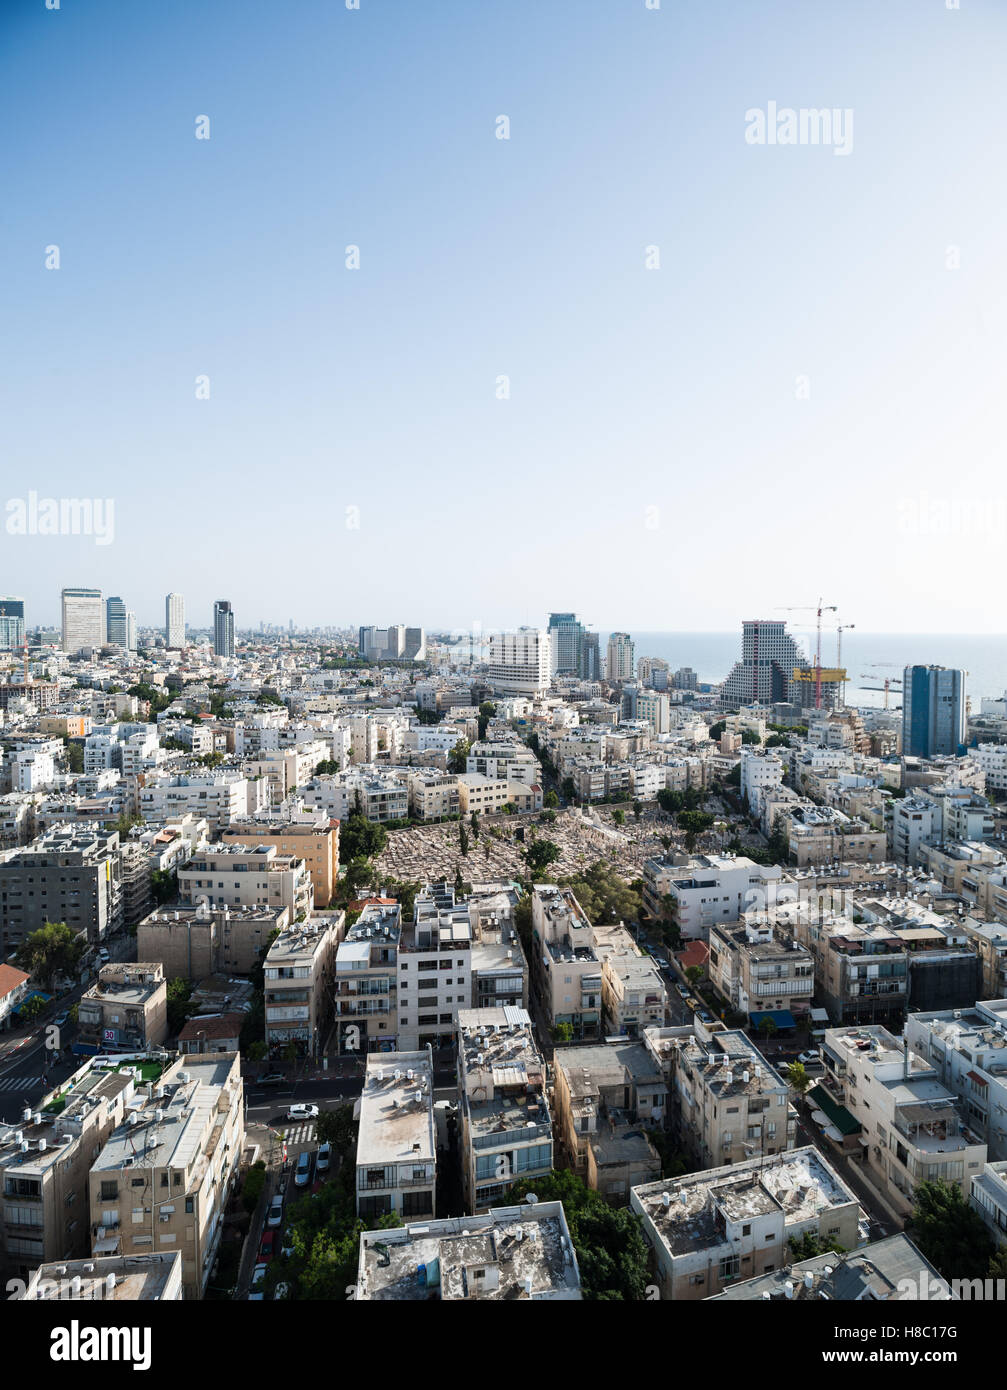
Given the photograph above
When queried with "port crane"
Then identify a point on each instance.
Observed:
(821, 608)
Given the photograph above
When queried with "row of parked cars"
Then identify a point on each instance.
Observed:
(274, 1217)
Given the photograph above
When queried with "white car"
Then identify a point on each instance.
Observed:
(256, 1291)
(302, 1173)
(323, 1157)
(275, 1210)
(302, 1112)
(806, 1058)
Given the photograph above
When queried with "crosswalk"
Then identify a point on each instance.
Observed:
(299, 1134)
(21, 1083)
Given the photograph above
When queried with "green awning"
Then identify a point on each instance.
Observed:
(838, 1114)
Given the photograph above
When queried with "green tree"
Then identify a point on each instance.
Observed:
(694, 823)
(338, 1128)
(53, 949)
(767, 1027)
(717, 729)
(562, 1032)
(618, 817)
(670, 802)
(798, 1079)
(604, 895)
(695, 974)
(360, 838)
(486, 712)
(949, 1232)
(164, 885)
(637, 809)
(180, 1006)
(463, 839)
(474, 818)
(550, 800)
(568, 789)
(258, 1052)
(810, 1244)
(750, 736)
(359, 872)
(539, 855)
(31, 1008)
(255, 1181)
(458, 756)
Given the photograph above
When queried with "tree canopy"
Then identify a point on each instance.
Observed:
(54, 949)
(604, 895)
(950, 1232)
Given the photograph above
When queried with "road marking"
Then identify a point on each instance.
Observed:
(20, 1083)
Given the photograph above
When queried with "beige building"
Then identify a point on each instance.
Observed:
(241, 877)
(315, 841)
(45, 1160)
(757, 972)
(163, 1179)
(485, 795)
(433, 794)
(731, 1105)
(193, 942)
(511, 1254)
(709, 1229)
(396, 1141)
(299, 979)
(604, 1096)
(126, 1009)
(504, 1120)
(632, 991)
(564, 957)
(912, 1126)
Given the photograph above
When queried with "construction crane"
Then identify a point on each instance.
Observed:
(821, 608)
(889, 681)
(840, 629)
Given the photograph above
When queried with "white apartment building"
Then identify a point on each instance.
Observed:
(521, 662)
(710, 890)
(620, 657)
(83, 620)
(968, 1050)
(397, 1143)
(912, 1127)
(992, 760)
(434, 969)
(760, 773)
(709, 1229)
(220, 797)
(432, 794)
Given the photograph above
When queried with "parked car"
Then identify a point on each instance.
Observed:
(256, 1289)
(272, 1078)
(302, 1112)
(704, 1016)
(809, 1056)
(275, 1210)
(61, 1019)
(267, 1246)
(683, 992)
(323, 1157)
(690, 1003)
(302, 1173)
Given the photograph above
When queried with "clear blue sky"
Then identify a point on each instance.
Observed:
(630, 389)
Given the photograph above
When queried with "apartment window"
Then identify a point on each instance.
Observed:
(189, 1206)
(109, 1191)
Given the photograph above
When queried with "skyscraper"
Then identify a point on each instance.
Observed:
(590, 657)
(621, 657)
(11, 624)
(933, 711)
(770, 656)
(520, 662)
(223, 628)
(83, 620)
(174, 620)
(115, 621)
(567, 636)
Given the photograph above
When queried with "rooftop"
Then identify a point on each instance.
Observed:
(396, 1110)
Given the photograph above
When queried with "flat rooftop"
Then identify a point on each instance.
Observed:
(108, 1279)
(396, 1111)
(511, 1253)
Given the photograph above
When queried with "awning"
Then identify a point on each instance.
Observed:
(820, 1118)
(833, 1133)
(837, 1114)
(783, 1018)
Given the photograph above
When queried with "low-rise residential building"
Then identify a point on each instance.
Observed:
(396, 1144)
(759, 972)
(967, 1049)
(14, 985)
(504, 1120)
(125, 1010)
(193, 942)
(45, 1160)
(632, 990)
(606, 1097)
(564, 956)
(879, 1272)
(241, 877)
(164, 1177)
(709, 1229)
(314, 838)
(299, 977)
(729, 1103)
(708, 889)
(153, 1278)
(989, 1198)
(366, 988)
(433, 794)
(510, 1253)
(913, 1129)
(434, 969)
(72, 875)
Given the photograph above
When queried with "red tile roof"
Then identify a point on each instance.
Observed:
(213, 1025)
(11, 979)
(696, 953)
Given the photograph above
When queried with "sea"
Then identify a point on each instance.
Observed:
(869, 658)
